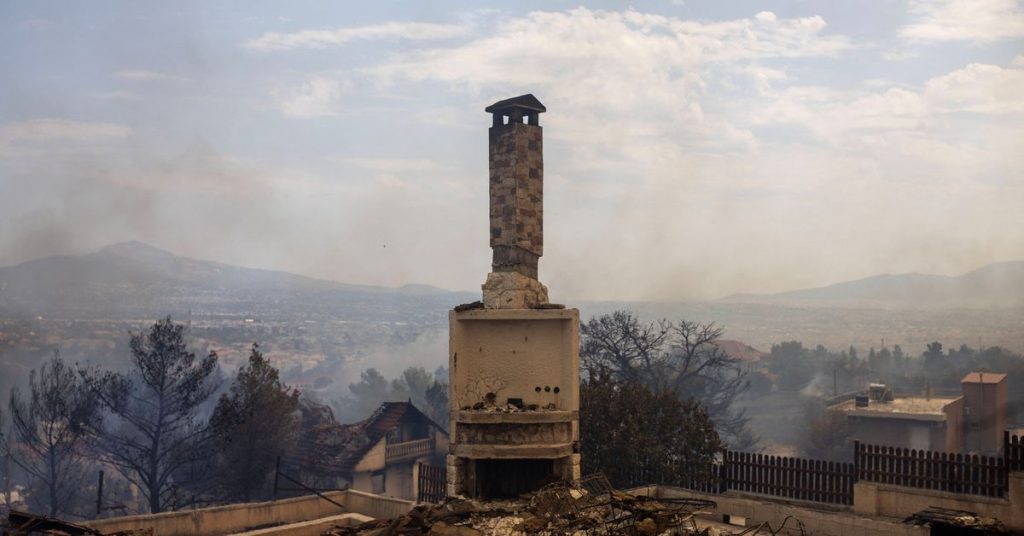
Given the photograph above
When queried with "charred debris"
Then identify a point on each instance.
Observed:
(589, 506)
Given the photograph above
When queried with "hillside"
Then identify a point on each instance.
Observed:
(999, 285)
(134, 278)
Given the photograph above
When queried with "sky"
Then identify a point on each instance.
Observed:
(693, 149)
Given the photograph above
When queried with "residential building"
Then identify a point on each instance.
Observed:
(378, 455)
(984, 411)
(973, 422)
(914, 422)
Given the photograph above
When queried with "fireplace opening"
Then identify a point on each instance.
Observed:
(507, 479)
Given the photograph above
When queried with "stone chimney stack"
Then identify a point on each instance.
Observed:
(517, 204)
(514, 364)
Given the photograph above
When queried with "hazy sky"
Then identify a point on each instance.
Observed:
(693, 148)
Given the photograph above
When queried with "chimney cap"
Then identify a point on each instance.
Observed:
(523, 102)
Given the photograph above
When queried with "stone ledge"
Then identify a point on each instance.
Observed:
(522, 417)
(934, 493)
(512, 452)
(516, 314)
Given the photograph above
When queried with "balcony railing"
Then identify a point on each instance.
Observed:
(408, 450)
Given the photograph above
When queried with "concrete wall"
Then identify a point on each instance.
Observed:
(398, 481)
(527, 354)
(986, 416)
(903, 433)
(887, 500)
(310, 528)
(376, 506)
(235, 518)
(512, 352)
(363, 482)
(375, 458)
(440, 443)
(954, 440)
(816, 519)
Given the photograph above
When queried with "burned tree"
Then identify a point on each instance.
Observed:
(635, 435)
(827, 436)
(253, 424)
(623, 346)
(700, 369)
(682, 358)
(437, 402)
(373, 389)
(50, 427)
(154, 434)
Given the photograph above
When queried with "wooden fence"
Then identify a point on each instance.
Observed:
(942, 471)
(1013, 451)
(433, 481)
(832, 482)
(811, 480)
(705, 477)
(777, 476)
(792, 478)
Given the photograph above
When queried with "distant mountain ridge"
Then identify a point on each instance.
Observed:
(134, 277)
(998, 285)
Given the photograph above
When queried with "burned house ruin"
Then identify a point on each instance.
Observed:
(514, 358)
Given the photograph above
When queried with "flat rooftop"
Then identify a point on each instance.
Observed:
(910, 407)
(983, 377)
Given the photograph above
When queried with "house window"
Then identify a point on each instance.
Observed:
(377, 481)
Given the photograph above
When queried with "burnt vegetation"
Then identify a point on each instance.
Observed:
(154, 424)
(659, 400)
(51, 424)
(153, 434)
(681, 359)
(253, 424)
(631, 433)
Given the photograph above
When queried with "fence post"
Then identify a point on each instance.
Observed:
(856, 460)
(724, 480)
(1005, 476)
(277, 473)
(99, 496)
(420, 481)
(1006, 449)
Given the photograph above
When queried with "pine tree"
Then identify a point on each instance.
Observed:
(253, 424)
(50, 428)
(155, 436)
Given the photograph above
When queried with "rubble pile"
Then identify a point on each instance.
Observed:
(588, 507)
(949, 521)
